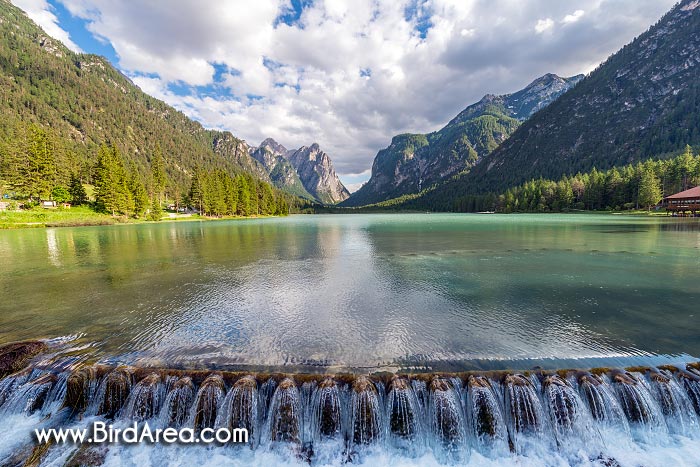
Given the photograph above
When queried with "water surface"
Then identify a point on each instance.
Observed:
(432, 291)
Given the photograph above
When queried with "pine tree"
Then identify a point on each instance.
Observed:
(41, 166)
(29, 164)
(105, 185)
(139, 194)
(77, 191)
(112, 192)
(156, 211)
(158, 172)
(196, 194)
(649, 188)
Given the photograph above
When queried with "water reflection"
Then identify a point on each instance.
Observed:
(359, 291)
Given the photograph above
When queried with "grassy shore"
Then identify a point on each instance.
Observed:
(59, 217)
(83, 216)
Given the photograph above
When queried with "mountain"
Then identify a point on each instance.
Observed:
(643, 102)
(82, 101)
(415, 161)
(316, 172)
(281, 172)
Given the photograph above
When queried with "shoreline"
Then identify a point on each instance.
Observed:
(94, 219)
(98, 219)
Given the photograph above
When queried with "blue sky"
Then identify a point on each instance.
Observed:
(347, 75)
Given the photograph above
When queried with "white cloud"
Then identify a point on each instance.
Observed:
(42, 14)
(353, 187)
(543, 25)
(572, 18)
(349, 75)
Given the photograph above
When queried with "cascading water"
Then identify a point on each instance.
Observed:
(523, 409)
(404, 417)
(567, 414)
(145, 399)
(637, 401)
(325, 420)
(691, 383)
(240, 408)
(365, 413)
(284, 418)
(81, 388)
(207, 402)
(112, 393)
(675, 404)
(176, 408)
(484, 410)
(29, 397)
(601, 401)
(446, 420)
(326, 412)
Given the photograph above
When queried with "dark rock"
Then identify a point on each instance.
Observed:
(15, 356)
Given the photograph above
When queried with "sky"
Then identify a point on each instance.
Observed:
(347, 75)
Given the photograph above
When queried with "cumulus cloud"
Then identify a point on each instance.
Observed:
(42, 13)
(349, 75)
(572, 18)
(543, 25)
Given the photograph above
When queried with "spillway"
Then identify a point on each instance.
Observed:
(592, 417)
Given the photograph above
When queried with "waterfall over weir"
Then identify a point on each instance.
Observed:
(579, 418)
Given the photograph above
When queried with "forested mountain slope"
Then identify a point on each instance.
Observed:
(416, 161)
(642, 102)
(82, 102)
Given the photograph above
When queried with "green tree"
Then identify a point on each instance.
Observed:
(77, 191)
(60, 194)
(139, 194)
(29, 164)
(156, 211)
(158, 174)
(649, 188)
(112, 192)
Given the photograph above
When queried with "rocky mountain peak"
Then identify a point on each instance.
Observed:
(317, 173)
(273, 146)
(414, 162)
(307, 172)
(640, 103)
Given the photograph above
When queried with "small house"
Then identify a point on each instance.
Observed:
(683, 203)
(48, 204)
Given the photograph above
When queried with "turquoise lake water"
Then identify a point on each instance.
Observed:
(431, 291)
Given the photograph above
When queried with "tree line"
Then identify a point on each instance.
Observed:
(638, 186)
(219, 193)
(34, 166)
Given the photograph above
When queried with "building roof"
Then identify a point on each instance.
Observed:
(692, 193)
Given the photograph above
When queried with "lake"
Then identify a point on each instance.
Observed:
(376, 291)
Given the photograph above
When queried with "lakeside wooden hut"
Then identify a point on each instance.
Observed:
(684, 203)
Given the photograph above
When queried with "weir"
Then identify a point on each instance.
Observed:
(452, 415)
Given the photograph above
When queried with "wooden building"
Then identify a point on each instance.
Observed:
(684, 203)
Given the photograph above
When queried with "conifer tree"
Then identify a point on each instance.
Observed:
(649, 188)
(77, 191)
(112, 192)
(158, 173)
(156, 211)
(29, 165)
(196, 194)
(139, 194)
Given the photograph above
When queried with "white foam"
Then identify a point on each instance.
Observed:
(664, 451)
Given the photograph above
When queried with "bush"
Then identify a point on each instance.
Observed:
(60, 194)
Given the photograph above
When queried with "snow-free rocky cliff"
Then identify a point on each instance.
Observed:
(307, 172)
